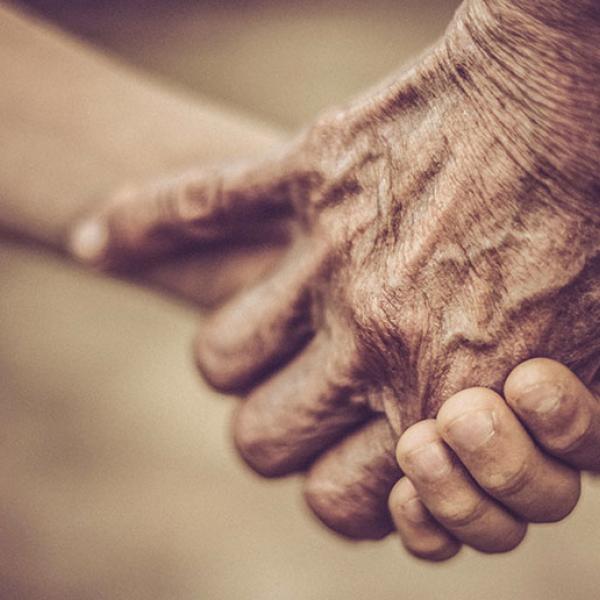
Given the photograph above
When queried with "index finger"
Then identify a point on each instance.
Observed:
(206, 205)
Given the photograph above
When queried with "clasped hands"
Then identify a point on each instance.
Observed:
(433, 241)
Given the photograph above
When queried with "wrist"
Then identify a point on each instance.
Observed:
(534, 90)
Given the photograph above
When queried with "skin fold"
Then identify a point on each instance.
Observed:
(445, 227)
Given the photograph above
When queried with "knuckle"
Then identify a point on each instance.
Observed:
(372, 302)
(571, 439)
(508, 482)
(561, 504)
(383, 317)
(325, 129)
(529, 372)
(215, 370)
(122, 214)
(465, 402)
(457, 515)
(192, 198)
(544, 374)
(226, 353)
(416, 436)
(351, 514)
(504, 539)
(254, 446)
(327, 502)
(432, 548)
(540, 391)
(402, 492)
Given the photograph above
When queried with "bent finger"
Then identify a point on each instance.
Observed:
(347, 487)
(298, 412)
(261, 328)
(205, 205)
(420, 533)
(561, 413)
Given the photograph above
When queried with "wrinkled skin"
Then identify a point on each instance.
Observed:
(445, 228)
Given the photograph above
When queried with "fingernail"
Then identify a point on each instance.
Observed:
(430, 462)
(541, 399)
(415, 511)
(472, 430)
(89, 240)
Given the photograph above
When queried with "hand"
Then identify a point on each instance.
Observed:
(446, 229)
(480, 472)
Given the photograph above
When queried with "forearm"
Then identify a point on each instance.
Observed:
(75, 124)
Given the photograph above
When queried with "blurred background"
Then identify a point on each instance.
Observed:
(117, 477)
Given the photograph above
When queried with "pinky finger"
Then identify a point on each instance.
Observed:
(421, 535)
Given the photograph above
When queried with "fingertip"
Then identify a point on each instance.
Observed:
(439, 551)
(352, 512)
(558, 409)
(467, 400)
(216, 371)
(508, 542)
(347, 487)
(536, 373)
(569, 494)
(420, 534)
(402, 492)
(415, 436)
(547, 396)
(88, 242)
(253, 444)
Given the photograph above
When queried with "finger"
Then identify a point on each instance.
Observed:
(420, 533)
(199, 206)
(298, 412)
(501, 456)
(452, 497)
(558, 409)
(348, 486)
(261, 328)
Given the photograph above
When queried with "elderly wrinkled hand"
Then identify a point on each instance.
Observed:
(445, 228)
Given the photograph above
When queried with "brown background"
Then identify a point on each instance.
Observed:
(117, 479)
